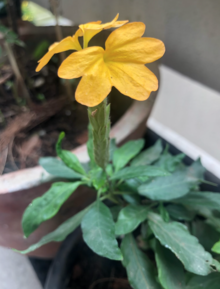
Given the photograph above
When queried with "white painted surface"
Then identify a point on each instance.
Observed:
(193, 151)
(16, 271)
(187, 114)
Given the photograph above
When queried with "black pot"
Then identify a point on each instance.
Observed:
(60, 271)
(77, 266)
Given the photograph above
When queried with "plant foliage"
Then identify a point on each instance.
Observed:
(151, 189)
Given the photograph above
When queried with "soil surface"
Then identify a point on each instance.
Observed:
(91, 271)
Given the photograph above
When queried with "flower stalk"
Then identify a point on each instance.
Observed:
(100, 122)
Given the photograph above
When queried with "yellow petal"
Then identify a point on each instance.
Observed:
(141, 50)
(68, 43)
(80, 62)
(114, 23)
(52, 46)
(89, 34)
(124, 34)
(97, 25)
(92, 28)
(133, 80)
(95, 86)
(94, 22)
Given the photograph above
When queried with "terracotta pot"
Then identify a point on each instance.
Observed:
(18, 189)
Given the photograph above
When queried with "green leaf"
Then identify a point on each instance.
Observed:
(186, 247)
(72, 162)
(146, 231)
(130, 185)
(133, 172)
(57, 168)
(211, 281)
(68, 158)
(98, 178)
(179, 212)
(205, 233)
(148, 156)
(169, 162)
(115, 212)
(4, 29)
(170, 269)
(216, 248)
(46, 206)
(196, 171)
(163, 212)
(130, 218)
(166, 188)
(109, 170)
(139, 268)
(99, 232)
(211, 219)
(200, 200)
(126, 152)
(60, 233)
(41, 49)
(132, 199)
(112, 148)
(19, 42)
(174, 186)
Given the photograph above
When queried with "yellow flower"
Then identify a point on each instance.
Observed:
(92, 28)
(87, 30)
(121, 64)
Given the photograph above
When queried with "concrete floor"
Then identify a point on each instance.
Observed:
(16, 271)
(187, 114)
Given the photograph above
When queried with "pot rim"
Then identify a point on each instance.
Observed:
(136, 114)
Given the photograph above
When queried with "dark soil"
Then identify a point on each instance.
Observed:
(94, 272)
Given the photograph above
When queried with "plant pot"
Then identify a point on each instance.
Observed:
(18, 189)
(74, 255)
(65, 263)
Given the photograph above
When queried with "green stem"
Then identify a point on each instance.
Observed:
(100, 122)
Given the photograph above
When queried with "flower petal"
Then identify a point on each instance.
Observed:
(92, 28)
(68, 43)
(142, 50)
(133, 80)
(80, 62)
(95, 86)
(124, 34)
(97, 25)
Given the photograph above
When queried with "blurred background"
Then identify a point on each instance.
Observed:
(35, 107)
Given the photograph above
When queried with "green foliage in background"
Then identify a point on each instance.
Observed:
(10, 37)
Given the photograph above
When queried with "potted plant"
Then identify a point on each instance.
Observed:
(20, 187)
(150, 189)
